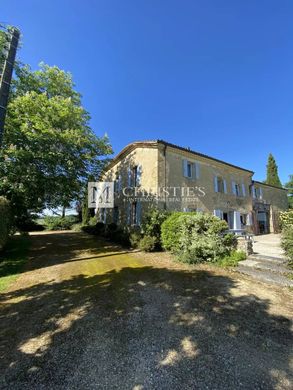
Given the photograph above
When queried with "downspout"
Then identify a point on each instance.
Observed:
(165, 176)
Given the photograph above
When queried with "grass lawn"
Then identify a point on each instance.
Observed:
(12, 260)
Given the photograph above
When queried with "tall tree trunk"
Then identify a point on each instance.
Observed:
(63, 212)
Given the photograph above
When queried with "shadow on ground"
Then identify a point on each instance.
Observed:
(147, 327)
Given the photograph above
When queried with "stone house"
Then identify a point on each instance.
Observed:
(159, 174)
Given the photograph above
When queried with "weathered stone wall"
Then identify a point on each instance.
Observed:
(172, 175)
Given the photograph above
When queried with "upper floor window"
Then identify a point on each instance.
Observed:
(134, 175)
(220, 184)
(236, 188)
(256, 192)
(190, 169)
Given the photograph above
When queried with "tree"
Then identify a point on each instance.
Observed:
(49, 148)
(289, 186)
(272, 172)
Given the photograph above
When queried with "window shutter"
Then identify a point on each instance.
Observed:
(216, 183)
(218, 213)
(128, 216)
(243, 189)
(236, 220)
(185, 173)
(233, 187)
(253, 191)
(129, 177)
(225, 186)
(138, 177)
(197, 170)
(260, 193)
(138, 213)
(119, 183)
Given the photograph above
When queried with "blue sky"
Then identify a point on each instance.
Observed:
(216, 76)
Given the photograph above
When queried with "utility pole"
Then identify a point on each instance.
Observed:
(9, 53)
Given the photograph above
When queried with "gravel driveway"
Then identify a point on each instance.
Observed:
(86, 315)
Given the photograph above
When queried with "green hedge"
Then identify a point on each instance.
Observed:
(5, 221)
(197, 237)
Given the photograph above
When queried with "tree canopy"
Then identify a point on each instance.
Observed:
(272, 172)
(49, 148)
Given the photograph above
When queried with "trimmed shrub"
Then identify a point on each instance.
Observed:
(5, 221)
(169, 230)
(59, 223)
(148, 243)
(152, 223)
(200, 238)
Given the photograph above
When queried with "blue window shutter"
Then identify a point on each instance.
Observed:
(225, 186)
(138, 213)
(128, 216)
(196, 168)
(233, 187)
(119, 183)
(216, 183)
(138, 175)
(243, 189)
(185, 173)
(129, 177)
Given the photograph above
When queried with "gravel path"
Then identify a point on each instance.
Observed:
(86, 315)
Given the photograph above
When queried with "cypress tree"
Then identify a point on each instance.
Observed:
(272, 172)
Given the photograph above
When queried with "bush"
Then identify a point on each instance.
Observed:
(152, 223)
(198, 238)
(287, 243)
(169, 230)
(233, 259)
(134, 239)
(29, 223)
(121, 237)
(97, 230)
(286, 219)
(59, 223)
(5, 221)
(77, 227)
(148, 243)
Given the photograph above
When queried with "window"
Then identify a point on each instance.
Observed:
(243, 219)
(236, 189)
(256, 192)
(191, 169)
(220, 184)
(134, 175)
(134, 213)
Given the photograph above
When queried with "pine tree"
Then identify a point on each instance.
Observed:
(272, 172)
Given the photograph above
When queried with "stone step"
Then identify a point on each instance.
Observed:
(265, 265)
(271, 259)
(266, 276)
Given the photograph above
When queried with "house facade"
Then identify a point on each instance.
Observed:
(158, 174)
